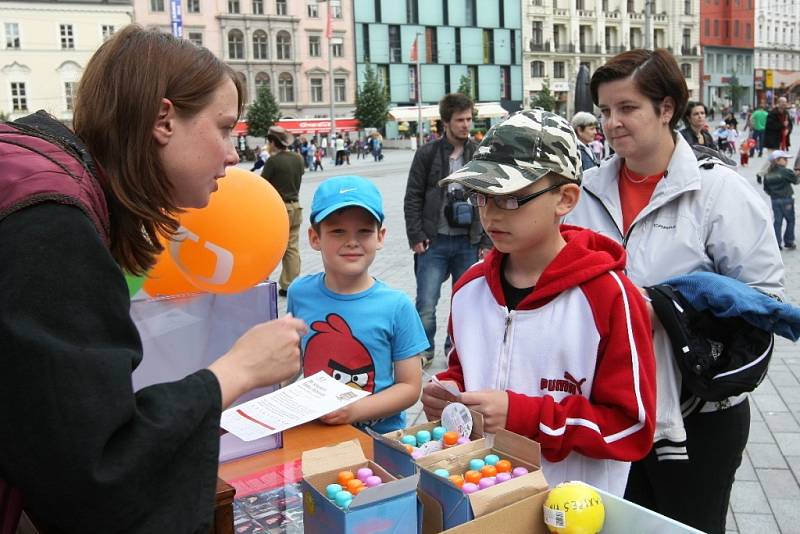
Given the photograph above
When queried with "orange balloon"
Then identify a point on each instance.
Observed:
(237, 240)
(166, 279)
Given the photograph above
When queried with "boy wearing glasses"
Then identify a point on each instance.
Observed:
(551, 340)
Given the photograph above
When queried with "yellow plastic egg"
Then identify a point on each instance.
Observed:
(574, 508)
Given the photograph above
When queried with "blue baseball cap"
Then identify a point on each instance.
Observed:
(344, 191)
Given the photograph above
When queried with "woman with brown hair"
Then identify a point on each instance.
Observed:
(675, 215)
(152, 120)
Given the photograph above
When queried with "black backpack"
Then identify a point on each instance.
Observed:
(718, 357)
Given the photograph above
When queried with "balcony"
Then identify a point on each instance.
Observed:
(689, 51)
(660, 18)
(560, 12)
(586, 13)
(636, 16)
(613, 15)
(616, 49)
(539, 47)
(564, 49)
(592, 49)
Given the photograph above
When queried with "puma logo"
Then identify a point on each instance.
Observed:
(569, 384)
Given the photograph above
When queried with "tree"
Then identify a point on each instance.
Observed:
(263, 113)
(465, 85)
(734, 92)
(544, 99)
(372, 101)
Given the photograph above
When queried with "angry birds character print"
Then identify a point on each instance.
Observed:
(333, 349)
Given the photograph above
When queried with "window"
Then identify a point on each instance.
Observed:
(558, 69)
(505, 82)
(285, 87)
(604, 6)
(536, 33)
(340, 89)
(67, 37)
(687, 37)
(630, 6)
(579, 5)
(258, 7)
(19, 97)
(69, 95)
(193, 6)
(338, 49)
(262, 80)
(313, 10)
(157, 5)
(412, 83)
(687, 7)
(412, 12)
(316, 89)
(686, 69)
(235, 44)
(337, 8)
(107, 31)
(280, 7)
(537, 69)
(284, 46)
(488, 47)
(431, 53)
(736, 28)
(716, 27)
(314, 46)
(260, 45)
(708, 27)
(196, 38)
(395, 52)
(748, 31)
(233, 6)
(12, 35)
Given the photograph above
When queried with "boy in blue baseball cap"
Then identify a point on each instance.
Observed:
(362, 332)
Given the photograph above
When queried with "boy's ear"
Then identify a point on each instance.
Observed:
(313, 238)
(570, 193)
(381, 237)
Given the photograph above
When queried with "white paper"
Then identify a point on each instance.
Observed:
(303, 401)
(450, 388)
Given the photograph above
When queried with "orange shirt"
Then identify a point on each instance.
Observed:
(635, 192)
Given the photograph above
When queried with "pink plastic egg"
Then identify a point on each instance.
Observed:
(373, 481)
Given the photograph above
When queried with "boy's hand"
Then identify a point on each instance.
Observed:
(342, 416)
(435, 398)
(492, 404)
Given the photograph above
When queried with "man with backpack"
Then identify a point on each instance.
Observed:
(443, 229)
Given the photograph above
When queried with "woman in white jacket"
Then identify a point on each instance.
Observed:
(676, 215)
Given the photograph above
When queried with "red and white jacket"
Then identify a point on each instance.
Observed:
(575, 357)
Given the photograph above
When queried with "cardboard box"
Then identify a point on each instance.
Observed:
(527, 517)
(393, 456)
(390, 507)
(453, 507)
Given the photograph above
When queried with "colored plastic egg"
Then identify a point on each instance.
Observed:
(449, 439)
(332, 489)
(373, 481)
(469, 487)
(458, 480)
(353, 484)
(409, 440)
(476, 464)
(444, 473)
(518, 472)
(462, 440)
(503, 466)
(502, 477)
(437, 433)
(423, 436)
(487, 482)
(343, 499)
(473, 476)
(344, 477)
(359, 490)
(488, 471)
(491, 459)
(417, 454)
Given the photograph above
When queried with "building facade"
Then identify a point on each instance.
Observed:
(727, 38)
(561, 35)
(474, 40)
(777, 50)
(46, 46)
(278, 43)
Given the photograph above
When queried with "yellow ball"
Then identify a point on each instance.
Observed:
(574, 508)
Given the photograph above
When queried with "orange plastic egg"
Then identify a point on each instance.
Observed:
(458, 480)
(503, 466)
(410, 449)
(345, 477)
(359, 489)
(450, 438)
(489, 471)
(473, 476)
(353, 484)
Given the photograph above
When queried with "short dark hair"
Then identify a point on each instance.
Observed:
(452, 103)
(655, 73)
(690, 106)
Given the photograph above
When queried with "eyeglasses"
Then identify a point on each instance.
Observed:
(508, 202)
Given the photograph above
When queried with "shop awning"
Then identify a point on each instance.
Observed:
(490, 110)
(411, 113)
(306, 126)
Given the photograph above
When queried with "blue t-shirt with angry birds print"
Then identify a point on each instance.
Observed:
(357, 338)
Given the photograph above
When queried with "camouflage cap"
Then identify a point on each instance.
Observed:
(519, 151)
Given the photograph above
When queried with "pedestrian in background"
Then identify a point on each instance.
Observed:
(443, 229)
(585, 126)
(695, 129)
(778, 184)
(284, 170)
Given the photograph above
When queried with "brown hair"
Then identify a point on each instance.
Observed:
(117, 103)
(452, 103)
(655, 73)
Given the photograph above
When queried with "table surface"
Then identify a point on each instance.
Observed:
(296, 440)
